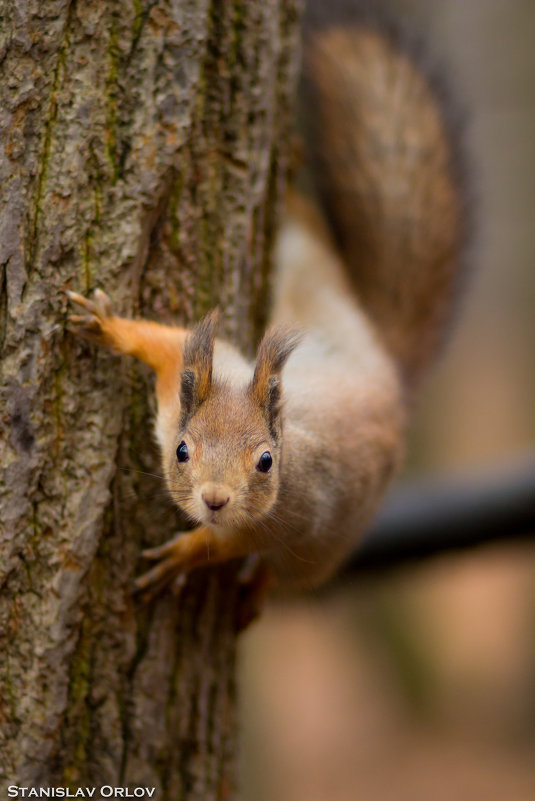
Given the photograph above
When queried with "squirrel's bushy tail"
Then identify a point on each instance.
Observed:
(386, 166)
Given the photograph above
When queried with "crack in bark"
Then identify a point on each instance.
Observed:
(33, 233)
(3, 304)
(140, 20)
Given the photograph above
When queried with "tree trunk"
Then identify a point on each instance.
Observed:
(143, 152)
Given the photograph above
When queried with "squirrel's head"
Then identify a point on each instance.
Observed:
(223, 469)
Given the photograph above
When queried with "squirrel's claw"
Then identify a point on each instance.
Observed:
(158, 577)
(100, 307)
(91, 325)
(84, 326)
(161, 550)
(152, 583)
(183, 553)
(171, 569)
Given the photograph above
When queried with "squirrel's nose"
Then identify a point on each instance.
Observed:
(215, 496)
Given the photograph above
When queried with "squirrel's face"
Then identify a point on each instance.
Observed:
(223, 469)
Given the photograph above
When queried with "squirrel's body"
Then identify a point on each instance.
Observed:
(289, 458)
(343, 405)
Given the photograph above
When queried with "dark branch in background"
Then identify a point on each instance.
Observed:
(427, 519)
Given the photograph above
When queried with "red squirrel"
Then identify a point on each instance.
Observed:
(288, 458)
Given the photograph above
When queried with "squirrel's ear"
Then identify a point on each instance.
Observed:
(196, 380)
(273, 351)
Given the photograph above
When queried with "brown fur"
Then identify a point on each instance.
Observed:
(273, 352)
(225, 438)
(385, 171)
(196, 380)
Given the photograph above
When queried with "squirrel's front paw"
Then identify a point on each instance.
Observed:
(186, 551)
(174, 562)
(95, 324)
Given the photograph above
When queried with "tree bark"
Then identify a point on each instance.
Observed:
(143, 152)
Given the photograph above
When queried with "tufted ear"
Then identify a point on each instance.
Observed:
(196, 379)
(273, 351)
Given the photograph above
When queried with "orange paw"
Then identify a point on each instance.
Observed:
(174, 563)
(95, 324)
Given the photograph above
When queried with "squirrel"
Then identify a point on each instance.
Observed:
(288, 458)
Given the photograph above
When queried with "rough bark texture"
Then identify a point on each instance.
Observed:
(141, 153)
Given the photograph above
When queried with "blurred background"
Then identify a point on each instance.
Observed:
(420, 684)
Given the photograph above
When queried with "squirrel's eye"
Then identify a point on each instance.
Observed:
(265, 462)
(182, 452)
